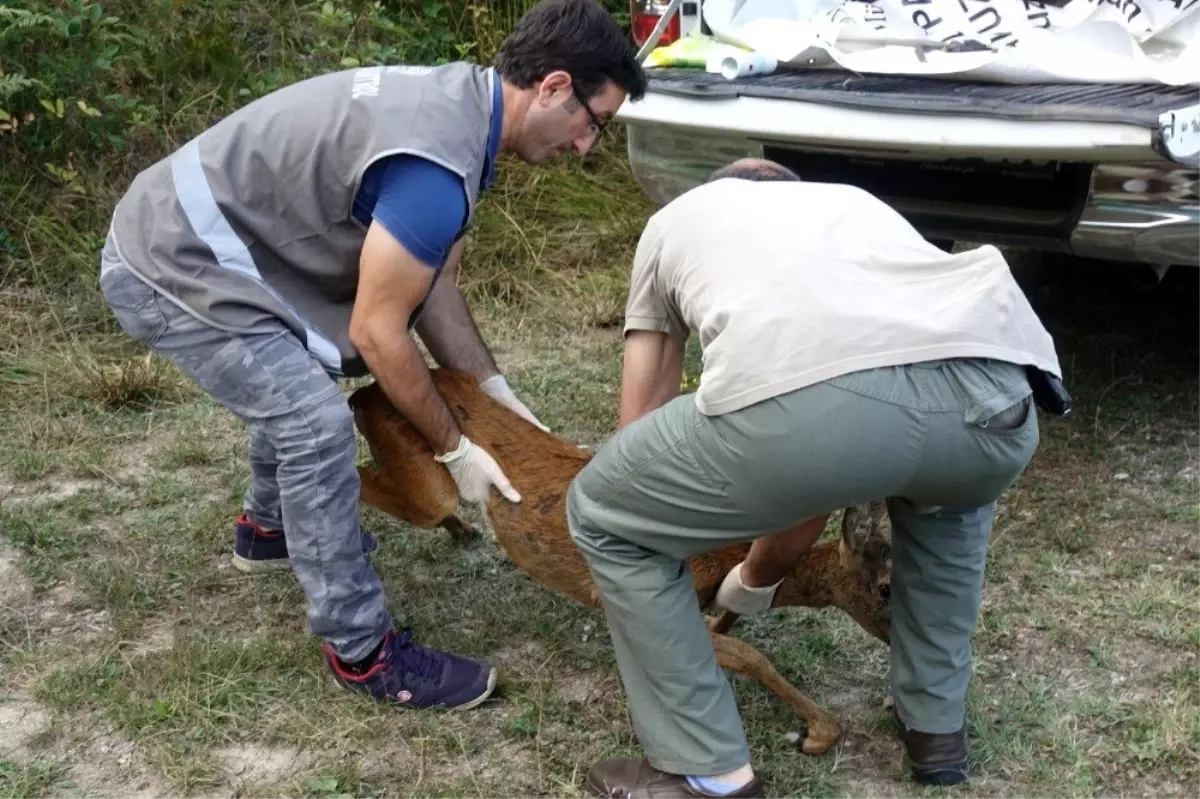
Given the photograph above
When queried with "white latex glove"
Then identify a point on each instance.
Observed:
(497, 388)
(475, 472)
(742, 599)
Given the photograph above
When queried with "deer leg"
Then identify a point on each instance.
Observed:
(458, 529)
(732, 653)
(370, 491)
(724, 623)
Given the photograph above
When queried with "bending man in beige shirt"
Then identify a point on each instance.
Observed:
(846, 359)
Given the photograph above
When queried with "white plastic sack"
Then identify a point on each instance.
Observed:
(1014, 41)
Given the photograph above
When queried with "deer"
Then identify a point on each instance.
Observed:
(404, 481)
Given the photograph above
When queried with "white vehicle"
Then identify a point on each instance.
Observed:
(1098, 169)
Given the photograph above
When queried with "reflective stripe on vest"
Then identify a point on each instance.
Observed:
(206, 219)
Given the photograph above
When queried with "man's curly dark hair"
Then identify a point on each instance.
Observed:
(579, 37)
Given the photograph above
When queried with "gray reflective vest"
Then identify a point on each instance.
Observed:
(253, 219)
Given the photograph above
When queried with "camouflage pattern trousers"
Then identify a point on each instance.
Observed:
(302, 448)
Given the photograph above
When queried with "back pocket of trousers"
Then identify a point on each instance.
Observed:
(1009, 422)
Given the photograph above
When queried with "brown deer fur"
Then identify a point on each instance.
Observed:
(852, 574)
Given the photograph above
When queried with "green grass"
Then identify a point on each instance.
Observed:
(135, 624)
(160, 669)
(118, 498)
(1085, 673)
(31, 779)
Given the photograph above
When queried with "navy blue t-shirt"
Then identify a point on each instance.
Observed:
(423, 204)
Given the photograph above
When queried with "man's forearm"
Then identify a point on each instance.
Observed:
(651, 373)
(639, 401)
(450, 334)
(772, 557)
(397, 365)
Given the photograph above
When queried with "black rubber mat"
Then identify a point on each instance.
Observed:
(1071, 102)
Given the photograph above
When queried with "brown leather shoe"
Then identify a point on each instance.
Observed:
(935, 758)
(632, 778)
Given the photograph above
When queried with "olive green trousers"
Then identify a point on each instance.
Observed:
(940, 440)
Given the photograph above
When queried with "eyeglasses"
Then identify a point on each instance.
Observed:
(597, 124)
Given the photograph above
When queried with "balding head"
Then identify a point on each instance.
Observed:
(759, 169)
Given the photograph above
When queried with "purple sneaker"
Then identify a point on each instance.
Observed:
(256, 550)
(409, 674)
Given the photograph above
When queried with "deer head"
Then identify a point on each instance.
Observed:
(853, 574)
(866, 561)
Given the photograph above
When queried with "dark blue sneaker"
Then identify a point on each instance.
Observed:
(255, 550)
(409, 674)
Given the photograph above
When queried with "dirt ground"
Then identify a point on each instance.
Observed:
(134, 661)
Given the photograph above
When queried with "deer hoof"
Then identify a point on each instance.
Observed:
(817, 741)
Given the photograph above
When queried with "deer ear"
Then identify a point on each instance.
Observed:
(878, 511)
(856, 529)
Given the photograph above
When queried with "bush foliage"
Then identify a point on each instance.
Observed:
(79, 77)
(91, 91)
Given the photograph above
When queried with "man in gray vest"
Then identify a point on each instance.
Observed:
(301, 239)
